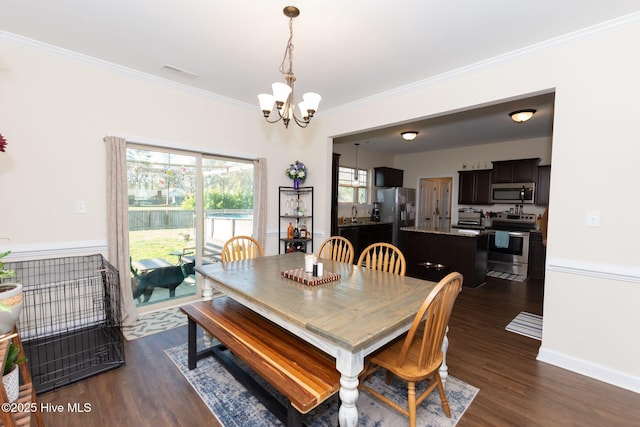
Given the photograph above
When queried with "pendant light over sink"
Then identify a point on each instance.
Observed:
(355, 172)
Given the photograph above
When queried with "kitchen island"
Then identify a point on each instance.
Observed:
(432, 253)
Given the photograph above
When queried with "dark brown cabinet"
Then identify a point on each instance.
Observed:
(537, 256)
(522, 170)
(362, 236)
(474, 187)
(543, 185)
(388, 177)
(335, 174)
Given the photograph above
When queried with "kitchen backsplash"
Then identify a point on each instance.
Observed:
(363, 211)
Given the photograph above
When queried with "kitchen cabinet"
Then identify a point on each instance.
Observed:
(543, 185)
(295, 207)
(388, 177)
(474, 187)
(351, 234)
(363, 235)
(537, 256)
(335, 174)
(522, 170)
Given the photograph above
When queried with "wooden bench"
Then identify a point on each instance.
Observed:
(305, 375)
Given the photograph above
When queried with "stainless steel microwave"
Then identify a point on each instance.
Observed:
(523, 192)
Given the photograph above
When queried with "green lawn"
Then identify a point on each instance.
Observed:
(159, 243)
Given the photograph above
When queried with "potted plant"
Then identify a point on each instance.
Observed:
(11, 373)
(10, 298)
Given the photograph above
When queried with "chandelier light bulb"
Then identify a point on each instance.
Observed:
(304, 110)
(266, 103)
(281, 92)
(312, 100)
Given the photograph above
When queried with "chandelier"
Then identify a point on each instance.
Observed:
(283, 92)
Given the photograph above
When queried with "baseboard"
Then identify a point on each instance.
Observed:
(53, 250)
(589, 369)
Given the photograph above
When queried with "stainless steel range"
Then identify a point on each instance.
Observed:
(509, 242)
(509, 221)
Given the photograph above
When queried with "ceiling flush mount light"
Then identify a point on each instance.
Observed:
(521, 116)
(283, 92)
(409, 136)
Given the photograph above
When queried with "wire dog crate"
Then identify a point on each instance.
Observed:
(71, 319)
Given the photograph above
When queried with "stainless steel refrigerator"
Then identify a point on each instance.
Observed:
(397, 205)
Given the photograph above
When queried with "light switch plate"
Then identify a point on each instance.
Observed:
(81, 207)
(593, 219)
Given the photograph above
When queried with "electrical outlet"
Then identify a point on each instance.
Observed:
(593, 219)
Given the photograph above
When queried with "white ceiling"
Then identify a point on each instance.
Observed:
(345, 50)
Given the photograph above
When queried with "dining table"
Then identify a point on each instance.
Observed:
(356, 312)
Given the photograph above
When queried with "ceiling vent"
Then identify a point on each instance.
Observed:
(180, 71)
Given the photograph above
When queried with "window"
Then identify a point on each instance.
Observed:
(350, 191)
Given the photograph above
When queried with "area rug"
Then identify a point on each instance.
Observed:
(527, 324)
(234, 406)
(506, 276)
(152, 323)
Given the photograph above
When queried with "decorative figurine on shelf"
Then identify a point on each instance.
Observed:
(297, 172)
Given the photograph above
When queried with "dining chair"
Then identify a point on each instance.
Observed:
(240, 248)
(384, 257)
(337, 248)
(418, 356)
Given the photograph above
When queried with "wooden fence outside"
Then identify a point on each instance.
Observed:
(163, 219)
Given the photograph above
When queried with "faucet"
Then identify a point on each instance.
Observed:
(354, 214)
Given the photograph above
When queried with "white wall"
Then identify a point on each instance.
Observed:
(56, 110)
(593, 274)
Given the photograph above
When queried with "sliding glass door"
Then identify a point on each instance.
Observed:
(173, 225)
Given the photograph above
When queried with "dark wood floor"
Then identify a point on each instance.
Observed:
(515, 389)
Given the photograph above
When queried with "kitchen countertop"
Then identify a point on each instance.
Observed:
(452, 231)
(361, 222)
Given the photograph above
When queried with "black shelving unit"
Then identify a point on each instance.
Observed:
(296, 207)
